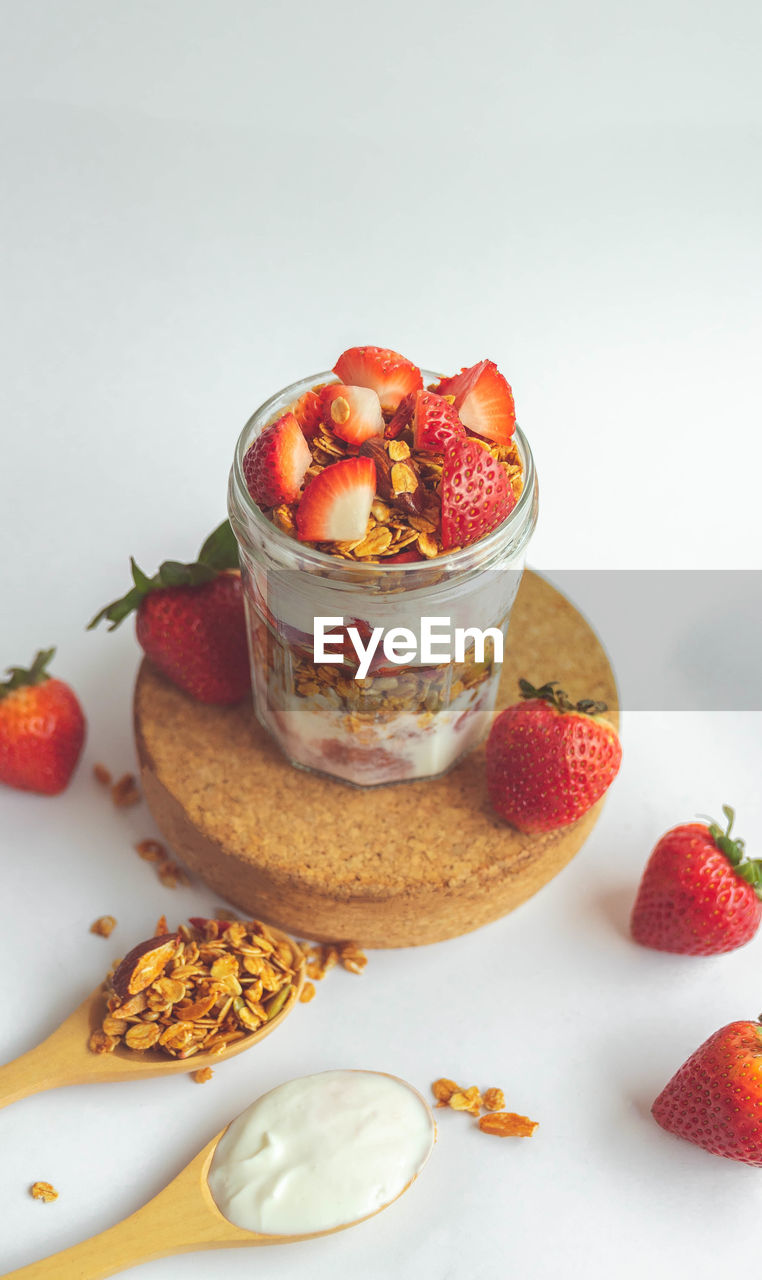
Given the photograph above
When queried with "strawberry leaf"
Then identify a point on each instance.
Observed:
(218, 553)
(21, 676)
(750, 869)
(559, 699)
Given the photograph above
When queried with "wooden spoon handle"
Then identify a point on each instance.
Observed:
(30, 1073)
(181, 1218)
(102, 1255)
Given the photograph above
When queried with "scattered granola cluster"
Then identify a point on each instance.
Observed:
(322, 956)
(200, 989)
(504, 1124)
(375, 468)
(170, 874)
(124, 792)
(104, 926)
(43, 1191)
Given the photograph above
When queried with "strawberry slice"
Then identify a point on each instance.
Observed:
(335, 505)
(476, 495)
(387, 372)
(435, 422)
(483, 399)
(275, 465)
(308, 413)
(352, 413)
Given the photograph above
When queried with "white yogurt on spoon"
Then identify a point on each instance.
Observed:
(321, 1152)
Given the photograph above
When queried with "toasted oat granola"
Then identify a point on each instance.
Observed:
(199, 990)
(322, 956)
(170, 873)
(125, 792)
(407, 513)
(43, 1191)
(505, 1124)
(104, 926)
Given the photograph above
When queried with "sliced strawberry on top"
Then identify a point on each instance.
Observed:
(483, 399)
(391, 375)
(435, 422)
(352, 413)
(476, 495)
(335, 506)
(308, 413)
(275, 464)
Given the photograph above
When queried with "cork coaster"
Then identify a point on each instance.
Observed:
(390, 866)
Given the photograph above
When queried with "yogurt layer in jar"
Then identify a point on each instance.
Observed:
(395, 721)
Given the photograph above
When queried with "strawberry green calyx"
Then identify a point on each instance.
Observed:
(19, 677)
(557, 698)
(750, 869)
(219, 552)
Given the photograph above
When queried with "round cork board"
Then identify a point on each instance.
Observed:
(391, 866)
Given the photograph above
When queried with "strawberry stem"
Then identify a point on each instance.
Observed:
(559, 699)
(218, 553)
(750, 869)
(21, 676)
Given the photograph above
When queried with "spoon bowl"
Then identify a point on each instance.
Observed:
(65, 1058)
(183, 1217)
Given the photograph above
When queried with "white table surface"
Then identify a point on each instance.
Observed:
(202, 202)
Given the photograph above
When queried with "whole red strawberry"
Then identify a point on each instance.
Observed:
(699, 894)
(191, 621)
(42, 729)
(715, 1099)
(549, 760)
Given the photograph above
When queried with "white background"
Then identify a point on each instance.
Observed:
(202, 202)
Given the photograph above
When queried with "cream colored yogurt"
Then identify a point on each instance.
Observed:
(320, 1152)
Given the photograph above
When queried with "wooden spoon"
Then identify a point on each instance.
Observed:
(181, 1218)
(64, 1058)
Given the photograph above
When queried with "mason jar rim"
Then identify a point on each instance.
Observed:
(469, 557)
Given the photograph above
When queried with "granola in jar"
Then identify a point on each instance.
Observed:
(364, 505)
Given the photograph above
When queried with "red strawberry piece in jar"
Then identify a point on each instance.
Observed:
(391, 375)
(435, 422)
(336, 504)
(351, 413)
(483, 400)
(476, 494)
(275, 465)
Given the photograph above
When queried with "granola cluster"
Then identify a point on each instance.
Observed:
(422, 691)
(407, 512)
(170, 873)
(43, 1191)
(322, 956)
(198, 990)
(504, 1124)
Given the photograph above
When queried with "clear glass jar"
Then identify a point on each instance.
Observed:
(399, 722)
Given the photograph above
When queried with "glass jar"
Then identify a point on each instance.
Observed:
(391, 720)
